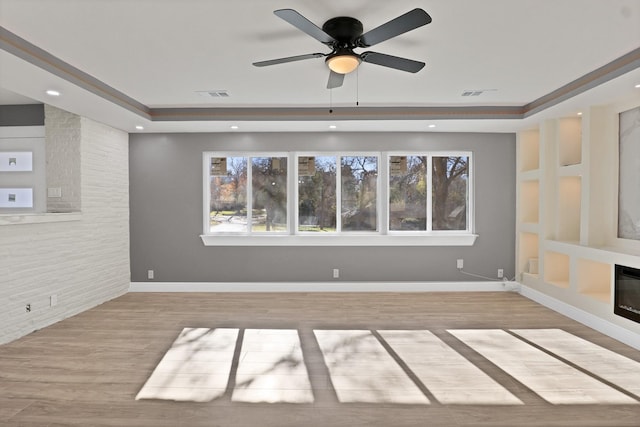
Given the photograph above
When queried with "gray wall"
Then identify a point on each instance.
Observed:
(166, 213)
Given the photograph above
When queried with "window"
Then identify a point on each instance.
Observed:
(450, 192)
(317, 194)
(408, 193)
(358, 193)
(414, 180)
(247, 200)
(269, 194)
(368, 195)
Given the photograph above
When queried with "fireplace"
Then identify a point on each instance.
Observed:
(627, 293)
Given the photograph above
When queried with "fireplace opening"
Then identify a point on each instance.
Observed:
(627, 293)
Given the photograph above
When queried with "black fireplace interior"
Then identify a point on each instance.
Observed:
(627, 293)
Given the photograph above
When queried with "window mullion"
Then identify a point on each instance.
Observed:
(429, 206)
(292, 194)
(383, 193)
(249, 194)
(338, 193)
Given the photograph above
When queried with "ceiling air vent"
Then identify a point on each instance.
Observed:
(476, 92)
(213, 93)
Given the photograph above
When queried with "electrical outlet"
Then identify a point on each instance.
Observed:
(336, 273)
(460, 264)
(53, 300)
(150, 274)
(500, 273)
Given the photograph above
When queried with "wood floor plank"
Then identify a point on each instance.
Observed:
(87, 370)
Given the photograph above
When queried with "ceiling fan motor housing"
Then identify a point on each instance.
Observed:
(344, 29)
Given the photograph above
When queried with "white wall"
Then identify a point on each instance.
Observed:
(84, 262)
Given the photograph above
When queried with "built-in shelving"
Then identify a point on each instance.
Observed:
(556, 269)
(568, 208)
(594, 279)
(569, 141)
(529, 201)
(529, 153)
(566, 218)
(528, 254)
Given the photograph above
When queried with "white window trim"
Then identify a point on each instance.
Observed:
(382, 237)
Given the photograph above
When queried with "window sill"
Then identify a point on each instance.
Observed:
(352, 240)
(38, 218)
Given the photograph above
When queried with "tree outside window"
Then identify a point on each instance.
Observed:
(317, 194)
(450, 192)
(359, 184)
(228, 194)
(269, 194)
(408, 193)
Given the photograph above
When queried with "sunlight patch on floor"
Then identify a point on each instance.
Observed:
(362, 370)
(196, 367)
(552, 379)
(272, 368)
(450, 377)
(606, 364)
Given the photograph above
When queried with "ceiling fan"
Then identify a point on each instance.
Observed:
(343, 34)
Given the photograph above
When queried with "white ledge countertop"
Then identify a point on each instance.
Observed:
(38, 218)
(436, 239)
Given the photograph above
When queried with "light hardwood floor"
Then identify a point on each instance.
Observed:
(334, 359)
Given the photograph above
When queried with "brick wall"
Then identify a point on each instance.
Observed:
(63, 146)
(84, 262)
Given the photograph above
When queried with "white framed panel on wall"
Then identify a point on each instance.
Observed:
(23, 166)
(18, 198)
(16, 161)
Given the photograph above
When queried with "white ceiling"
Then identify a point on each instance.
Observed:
(162, 52)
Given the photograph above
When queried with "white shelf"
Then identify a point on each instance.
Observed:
(530, 175)
(572, 170)
(29, 218)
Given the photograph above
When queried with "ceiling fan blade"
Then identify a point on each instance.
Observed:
(288, 59)
(400, 25)
(335, 80)
(390, 61)
(303, 24)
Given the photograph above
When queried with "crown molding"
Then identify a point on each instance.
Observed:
(38, 57)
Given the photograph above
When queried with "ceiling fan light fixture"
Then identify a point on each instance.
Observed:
(343, 62)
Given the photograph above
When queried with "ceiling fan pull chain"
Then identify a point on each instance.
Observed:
(330, 101)
(357, 87)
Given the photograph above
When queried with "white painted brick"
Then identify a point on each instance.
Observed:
(64, 151)
(84, 262)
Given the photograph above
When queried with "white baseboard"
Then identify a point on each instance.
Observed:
(614, 331)
(321, 286)
(619, 333)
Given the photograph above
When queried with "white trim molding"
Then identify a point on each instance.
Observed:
(496, 286)
(619, 333)
(365, 239)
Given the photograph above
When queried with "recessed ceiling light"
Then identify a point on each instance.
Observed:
(579, 113)
(234, 127)
(638, 86)
(332, 126)
(139, 127)
(432, 126)
(51, 92)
